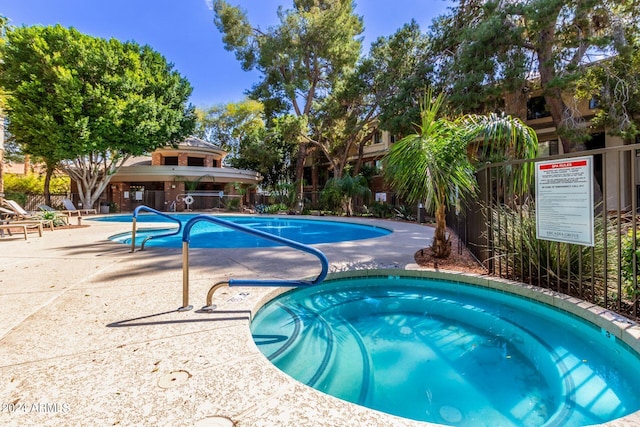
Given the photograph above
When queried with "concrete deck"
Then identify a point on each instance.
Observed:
(90, 335)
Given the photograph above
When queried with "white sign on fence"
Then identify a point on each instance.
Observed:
(564, 200)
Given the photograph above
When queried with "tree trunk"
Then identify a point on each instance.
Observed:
(441, 243)
(47, 185)
(338, 171)
(315, 182)
(27, 164)
(358, 166)
(90, 185)
(348, 205)
(552, 94)
(302, 157)
(568, 133)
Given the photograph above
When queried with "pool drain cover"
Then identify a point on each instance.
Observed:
(173, 379)
(450, 414)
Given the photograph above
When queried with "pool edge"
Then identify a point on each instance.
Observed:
(625, 330)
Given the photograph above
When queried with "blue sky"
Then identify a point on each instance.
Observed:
(184, 33)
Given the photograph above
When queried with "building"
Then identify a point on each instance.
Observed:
(172, 177)
(532, 109)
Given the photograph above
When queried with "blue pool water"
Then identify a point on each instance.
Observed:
(208, 235)
(449, 353)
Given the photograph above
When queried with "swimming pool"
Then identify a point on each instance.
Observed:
(449, 353)
(209, 235)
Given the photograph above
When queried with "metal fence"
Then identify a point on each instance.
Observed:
(32, 201)
(499, 227)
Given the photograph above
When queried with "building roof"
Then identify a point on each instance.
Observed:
(194, 142)
(189, 144)
(138, 161)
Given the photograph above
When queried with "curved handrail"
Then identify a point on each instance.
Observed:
(186, 238)
(136, 211)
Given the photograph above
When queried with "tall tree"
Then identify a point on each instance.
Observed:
(313, 46)
(270, 155)
(252, 142)
(401, 66)
(378, 93)
(87, 104)
(492, 46)
(615, 85)
(228, 125)
(433, 165)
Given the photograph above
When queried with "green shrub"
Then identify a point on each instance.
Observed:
(405, 213)
(520, 255)
(34, 184)
(273, 209)
(233, 204)
(381, 210)
(56, 217)
(627, 264)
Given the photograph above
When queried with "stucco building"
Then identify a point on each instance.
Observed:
(193, 171)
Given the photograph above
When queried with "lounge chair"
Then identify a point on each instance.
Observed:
(6, 213)
(6, 226)
(24, 216)
(23, 226)
(69, 206)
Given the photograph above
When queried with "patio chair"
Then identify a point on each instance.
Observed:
(24, 216)
(68, 213)
(69, 206)
(6, 213)
(23, 226)
(5, 226)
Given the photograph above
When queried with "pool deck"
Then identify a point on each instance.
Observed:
(90, 333)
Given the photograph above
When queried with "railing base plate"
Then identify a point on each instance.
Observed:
(208, 308)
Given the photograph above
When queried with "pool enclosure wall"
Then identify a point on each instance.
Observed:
(499, 227)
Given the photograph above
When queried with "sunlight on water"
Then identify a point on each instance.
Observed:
(447, 353)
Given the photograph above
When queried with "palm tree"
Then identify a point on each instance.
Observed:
(435, 165)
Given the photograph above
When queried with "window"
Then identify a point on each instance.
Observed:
(537, 108)
(393, 139)
(137, 192)
(594, 103)
(171, 160)
(377, 138)
(547, 148)
(195, 161)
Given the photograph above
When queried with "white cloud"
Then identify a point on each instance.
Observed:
(209, 4)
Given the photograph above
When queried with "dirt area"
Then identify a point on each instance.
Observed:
(464, 261)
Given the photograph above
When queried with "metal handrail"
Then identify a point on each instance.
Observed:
(136, 211)
(186, 238)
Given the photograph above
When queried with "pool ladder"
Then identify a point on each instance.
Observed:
(137, 211)
(186, 239)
